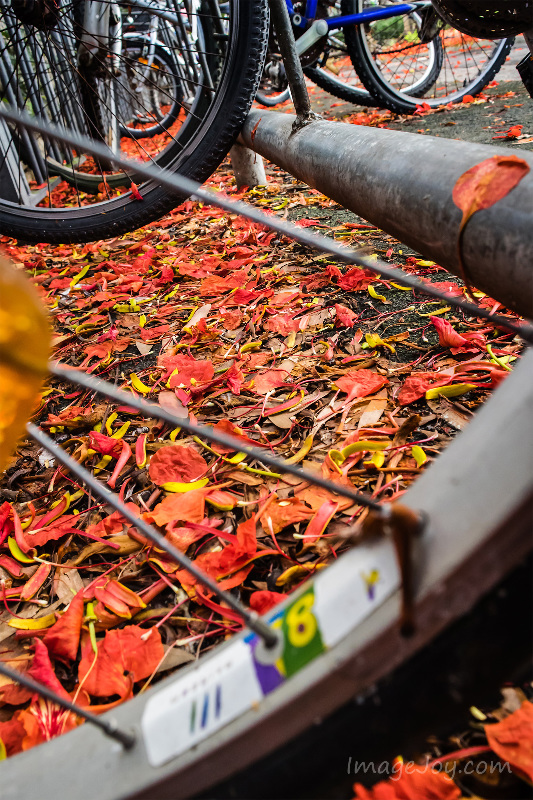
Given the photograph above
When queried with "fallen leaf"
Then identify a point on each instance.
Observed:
(63, 638)
(135, 191)
(482, 186)
(417, 384)
(263, 601)
(360, 383)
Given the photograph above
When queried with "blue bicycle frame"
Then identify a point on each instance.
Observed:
(369, 15)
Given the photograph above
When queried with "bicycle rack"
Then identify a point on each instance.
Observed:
(403, 184)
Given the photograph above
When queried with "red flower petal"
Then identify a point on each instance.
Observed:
(263, 601)
(63, 638)
(345, 315)
(360, 383)
(417, 384)
(176, 463)
(512, 739)
(124, 657)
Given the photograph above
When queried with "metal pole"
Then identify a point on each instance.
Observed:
(403, 183)
(248, 167)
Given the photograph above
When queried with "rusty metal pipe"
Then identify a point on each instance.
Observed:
(403, 183)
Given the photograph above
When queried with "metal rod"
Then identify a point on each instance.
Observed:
(108, 727)
(291, 60)
(204, 432)
(184, 186)
(403, 183)
(254, 622)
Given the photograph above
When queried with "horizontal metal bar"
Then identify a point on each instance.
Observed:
(404, 183)
(107, 726)
(254, 622)
(181, 185)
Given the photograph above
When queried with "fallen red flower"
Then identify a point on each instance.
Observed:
(512, 739)
(63, 638)
(360, 383)
(345, 315)
(458, 343)
(263, 601)
(123, 657)
(417, 384)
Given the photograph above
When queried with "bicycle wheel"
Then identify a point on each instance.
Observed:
(271, 99)
(152, 79)
(58, 69)
(241, 701)
(417, 57)
(328, 64)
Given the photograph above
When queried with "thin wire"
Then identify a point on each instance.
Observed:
(204, 432)
(182, 185)
(109, 727)
(252, 620)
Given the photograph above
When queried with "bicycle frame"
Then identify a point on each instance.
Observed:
(369, 15)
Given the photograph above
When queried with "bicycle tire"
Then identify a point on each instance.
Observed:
(338, 87)
(343, 81)
(332, 70)
(343, 85)
(271, 100)
(197, 154)
(457, 78)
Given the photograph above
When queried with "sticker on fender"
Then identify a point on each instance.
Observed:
(230, 683)
(199, 703)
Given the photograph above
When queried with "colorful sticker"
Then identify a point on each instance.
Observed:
(268, 674)
(202, 700)
(301, 634)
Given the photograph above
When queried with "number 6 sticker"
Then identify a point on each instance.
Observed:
(301, 635)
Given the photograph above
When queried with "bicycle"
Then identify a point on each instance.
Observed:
(79, 64)
(397, 55)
